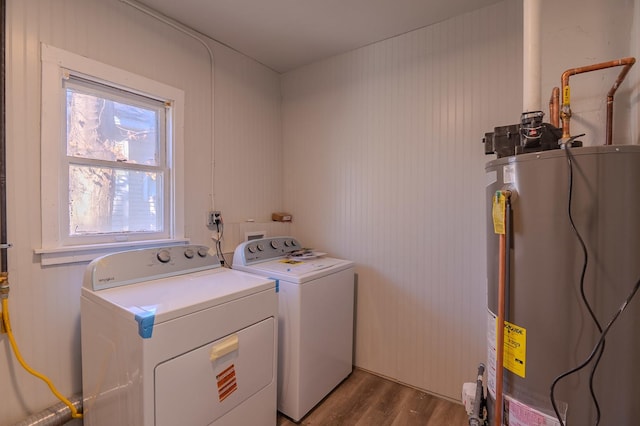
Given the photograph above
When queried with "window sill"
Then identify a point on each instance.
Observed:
(78, 254)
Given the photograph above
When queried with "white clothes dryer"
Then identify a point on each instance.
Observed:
(169, 337)
(316, 318)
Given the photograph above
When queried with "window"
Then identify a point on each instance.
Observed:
(111, 163)
(115, 143)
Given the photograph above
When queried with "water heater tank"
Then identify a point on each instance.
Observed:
(548, 330)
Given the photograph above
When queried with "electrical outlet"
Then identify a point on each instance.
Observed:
(211, 219)
(214, 217)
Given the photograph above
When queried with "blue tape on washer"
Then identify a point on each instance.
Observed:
(145, 324)
(277, 284)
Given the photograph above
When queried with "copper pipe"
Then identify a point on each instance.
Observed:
(500, 331)
(502, 276)
(612, 91)
(565, 112)
(554, 107)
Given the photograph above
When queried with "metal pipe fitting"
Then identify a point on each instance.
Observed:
(565, 113)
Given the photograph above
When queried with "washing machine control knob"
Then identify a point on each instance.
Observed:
(260, 247)
(251, 249)
(274, 244)
(164, 256)
(202, 252)
(189, 253)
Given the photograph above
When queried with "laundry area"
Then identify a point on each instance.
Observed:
(324, 212)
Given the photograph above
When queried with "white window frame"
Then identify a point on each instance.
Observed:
(58, 64)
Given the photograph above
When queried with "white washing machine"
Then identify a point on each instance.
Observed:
(316, 302)
(169, 337)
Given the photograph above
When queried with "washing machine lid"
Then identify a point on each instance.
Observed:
(274, 257)
(298, 271)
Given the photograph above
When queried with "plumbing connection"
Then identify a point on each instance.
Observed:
(565, 110)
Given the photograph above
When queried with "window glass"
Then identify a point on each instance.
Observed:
(114, 146)
(104, 126)
(105, 200)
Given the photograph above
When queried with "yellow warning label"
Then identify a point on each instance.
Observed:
(499, 202)
(515, 349)
(566, 95)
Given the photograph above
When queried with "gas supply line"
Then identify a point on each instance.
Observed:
(563, 113)
(502, 224)
(5, 328)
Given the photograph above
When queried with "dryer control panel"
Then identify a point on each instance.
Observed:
(128, 267)
(264, 249)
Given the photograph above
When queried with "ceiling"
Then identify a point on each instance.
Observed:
(287, 34)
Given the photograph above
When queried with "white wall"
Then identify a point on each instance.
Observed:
(393, 130)
(384, 165)
(44, 302)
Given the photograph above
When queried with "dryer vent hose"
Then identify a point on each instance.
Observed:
(56, 415)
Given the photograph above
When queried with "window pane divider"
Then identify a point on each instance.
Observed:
(120, 165)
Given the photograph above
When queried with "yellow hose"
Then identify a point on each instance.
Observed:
(7, 326)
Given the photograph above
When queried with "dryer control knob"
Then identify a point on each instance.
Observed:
(164, 256)
(260, 247)
(274, 244)
(189, 253)
(202, 252)
(251, 249)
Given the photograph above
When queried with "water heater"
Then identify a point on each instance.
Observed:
(558, 198)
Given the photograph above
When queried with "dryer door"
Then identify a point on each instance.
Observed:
(204, 384)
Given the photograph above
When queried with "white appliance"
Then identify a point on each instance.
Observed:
(315, 325)
(169, 337)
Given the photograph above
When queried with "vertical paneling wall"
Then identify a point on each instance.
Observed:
(45, 301)
(384, 165)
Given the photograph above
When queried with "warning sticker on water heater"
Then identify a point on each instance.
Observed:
(515, 348)
(519, 414)
(508, 173)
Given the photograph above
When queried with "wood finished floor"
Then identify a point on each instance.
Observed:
(364, 399)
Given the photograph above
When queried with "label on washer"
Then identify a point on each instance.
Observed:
(227, 383)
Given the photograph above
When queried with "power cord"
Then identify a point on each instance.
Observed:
(596, 348)
(600, 346)
(218, 240)
(594, 398)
